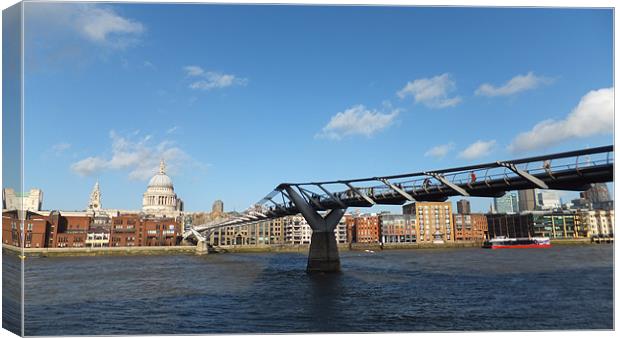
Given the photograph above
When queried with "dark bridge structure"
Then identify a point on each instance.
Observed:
(323, 204)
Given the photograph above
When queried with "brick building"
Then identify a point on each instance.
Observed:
(470, 227)
(13, 226)
(349, 221)
(134, 230)
(433, 221)
(159, 232)
(367, 228)
(126, 230)
(81, 229)
(67, 231)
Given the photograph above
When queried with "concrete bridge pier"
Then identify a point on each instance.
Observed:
(202, 247)
(323, 255)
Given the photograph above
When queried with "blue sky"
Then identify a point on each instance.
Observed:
(241, 98)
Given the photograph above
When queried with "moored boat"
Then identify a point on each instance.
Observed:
(517, 243)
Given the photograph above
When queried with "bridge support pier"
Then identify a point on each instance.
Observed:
(323, 255)
(202, 248)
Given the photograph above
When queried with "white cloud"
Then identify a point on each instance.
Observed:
(439, 151)
(60, 148)
(102, 24)
(593, 115)
(140, 157)
(97, 23)
(432, 92)
(357, 120)
(517, 84)
(172, 130)
(89, 166)
(477, 150)
(193, 70)
(212, 80)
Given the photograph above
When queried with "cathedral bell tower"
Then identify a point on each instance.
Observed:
(95, 198)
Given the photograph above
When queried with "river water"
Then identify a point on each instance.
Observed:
(564, 287)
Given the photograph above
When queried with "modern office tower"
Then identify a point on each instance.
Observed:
(597, 193)
(506, 204)
(463, 206)
(527, 200)
(549, 199)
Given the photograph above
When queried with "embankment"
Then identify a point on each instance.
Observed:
(111, 251)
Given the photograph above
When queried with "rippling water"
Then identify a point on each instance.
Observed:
(413, 290)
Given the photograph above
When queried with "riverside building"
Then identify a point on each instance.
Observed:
(158, 223)
(13, 225)
(397, 228)
(597, 223)
(349, 220)
(31, 200)
(470, 227)
(552, 224)
(433, 221)
(367, 228)
(288, 230)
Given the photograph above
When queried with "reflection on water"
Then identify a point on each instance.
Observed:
(456, 289)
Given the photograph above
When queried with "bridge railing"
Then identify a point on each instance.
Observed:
(332, 191)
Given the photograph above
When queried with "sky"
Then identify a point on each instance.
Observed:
(238, 99)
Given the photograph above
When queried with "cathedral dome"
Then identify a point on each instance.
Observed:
(159, 197)
(161, 180)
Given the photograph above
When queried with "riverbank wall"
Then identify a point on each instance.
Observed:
(448, 245)
(191, 250)
(302, 248)
(107, 251)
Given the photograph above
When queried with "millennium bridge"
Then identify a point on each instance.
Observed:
(323, 204)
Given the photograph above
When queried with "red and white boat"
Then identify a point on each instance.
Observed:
(517, 243)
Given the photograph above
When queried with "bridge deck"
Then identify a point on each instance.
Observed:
(574, 170)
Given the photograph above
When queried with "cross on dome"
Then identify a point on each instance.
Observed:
(162, 166)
